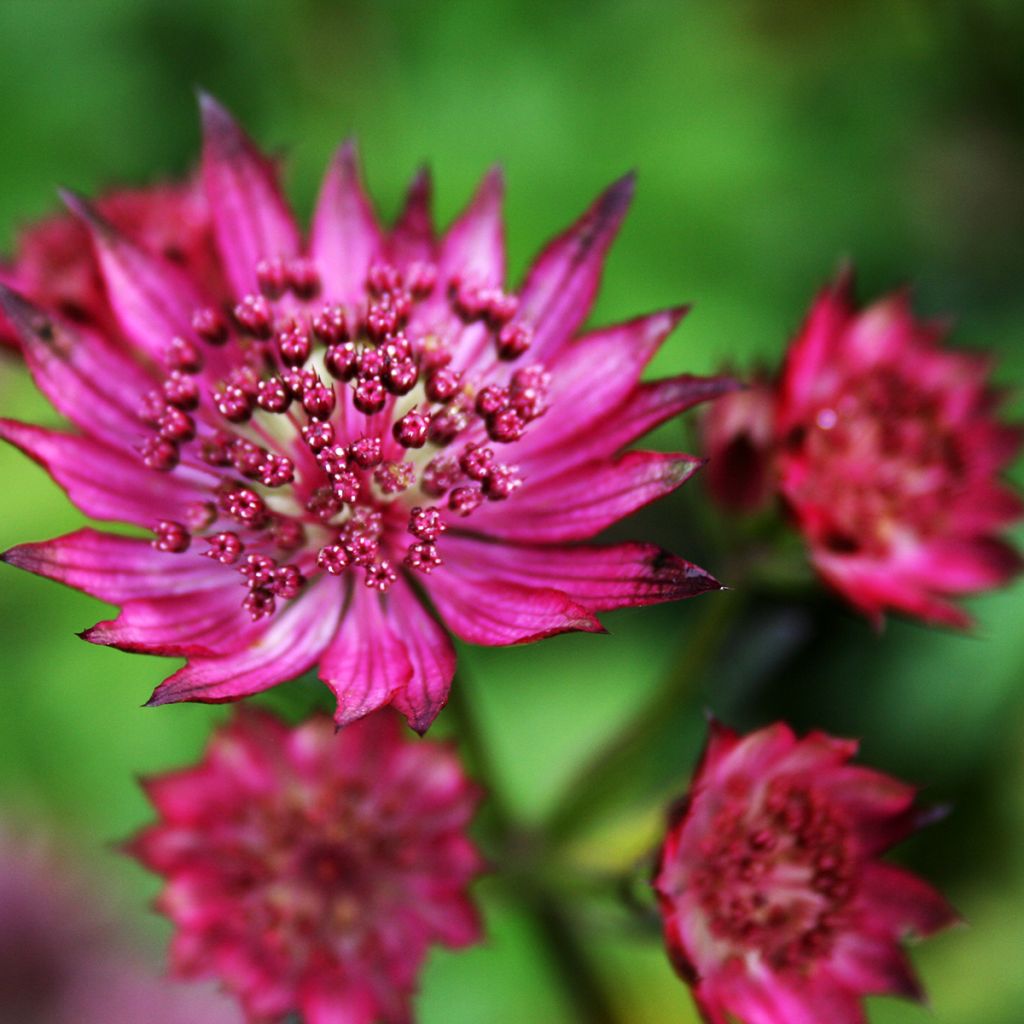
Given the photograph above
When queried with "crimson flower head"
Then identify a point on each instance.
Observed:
(309, 870)
(776, 908)
(327, 435)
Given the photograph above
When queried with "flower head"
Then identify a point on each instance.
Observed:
(308, 870)
(319, 434)
(776, 908)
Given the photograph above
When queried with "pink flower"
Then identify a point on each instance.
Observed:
(372, 419)
(62, 961)
(738, 433)
(56, 268)
(776, 908)
(309, 870)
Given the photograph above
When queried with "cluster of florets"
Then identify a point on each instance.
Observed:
(270, 433)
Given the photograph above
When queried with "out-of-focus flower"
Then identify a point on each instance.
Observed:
(308, 870)
(889, 458)
(56, 268)
(738, 434)
(776, 907)
(62, 961)
(370, 418)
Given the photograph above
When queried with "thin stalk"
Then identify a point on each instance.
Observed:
(550, 918)
(590, 787)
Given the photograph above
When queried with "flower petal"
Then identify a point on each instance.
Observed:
(113, 568)
(575, 505)
(598, 578)
(413, 237)
(560, 286)
(900, 903)
(486, 611)
(79, 371)
(431, 654)
(366, 664)
(294, 640)
(345, 238)
(251, 219)
(103, 482)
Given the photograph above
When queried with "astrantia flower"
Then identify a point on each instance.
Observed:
(308, 870)
(56, 268)
(888, 455)
(369, 419)
(776, 908)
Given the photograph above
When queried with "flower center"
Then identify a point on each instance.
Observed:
(335, 437)
(880, 462)
(777, 880)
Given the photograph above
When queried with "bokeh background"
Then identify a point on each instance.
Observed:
(773, 139)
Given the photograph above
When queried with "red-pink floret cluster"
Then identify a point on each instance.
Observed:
(309, 870)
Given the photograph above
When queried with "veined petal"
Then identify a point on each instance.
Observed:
(598, 578)
(413, 237)
(79, 371)
(114, 568)
(430, 653)
(366, 663)
(345, 238)
(152, 299)
(103, 482)
(577, 504)
(296, 637)
(560, 286)
(486, 611)
(251, 219)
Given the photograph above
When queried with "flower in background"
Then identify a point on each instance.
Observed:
(310, 870)
(738, 435)
(776, 907)
(887, 451)
(367, 419)
(62, 961)
(56, 268)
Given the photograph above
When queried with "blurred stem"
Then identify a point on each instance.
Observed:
(597, 779)
(542, 903)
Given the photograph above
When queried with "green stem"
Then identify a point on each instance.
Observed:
(599, 777)
(553, 924)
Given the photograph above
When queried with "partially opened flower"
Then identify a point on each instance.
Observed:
(308, 870)
(56, 268)
(776, 907)
(371, 419)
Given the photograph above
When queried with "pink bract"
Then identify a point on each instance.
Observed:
(776, 907)
(348, 431)
(310, 870)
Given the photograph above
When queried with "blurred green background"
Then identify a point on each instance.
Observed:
(773, 138)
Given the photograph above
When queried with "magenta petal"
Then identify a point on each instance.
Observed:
(366, 664)
(431, 654)
(251, 220)
(577, 504)
(204, 622)
(345, 238)
(874, 965)
(79, 371)
(598, 578)
(334, 1001)
(294, 640)
(113, 568)
(901, 904)
(153, 299)
(486, 611)
(594, 374)
(413, 237)
(560, 286)
(103, 482)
